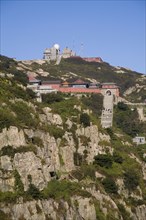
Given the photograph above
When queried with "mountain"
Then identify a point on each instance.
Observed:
(56, 160)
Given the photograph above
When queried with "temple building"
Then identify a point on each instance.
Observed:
(68, 53)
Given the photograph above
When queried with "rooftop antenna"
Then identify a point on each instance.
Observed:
(81, 49)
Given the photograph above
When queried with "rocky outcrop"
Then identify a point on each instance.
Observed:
(28, 164)
(94, 137)
(140, 213)
(49, 117)
(12, 137)
(80, 208)
(140, 111)
(38, 154)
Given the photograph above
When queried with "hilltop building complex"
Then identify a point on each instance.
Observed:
(54, 54)
(110, 91)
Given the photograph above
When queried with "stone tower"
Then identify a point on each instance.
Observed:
(107, 112)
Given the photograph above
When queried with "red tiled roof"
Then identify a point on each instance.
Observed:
(78, 82)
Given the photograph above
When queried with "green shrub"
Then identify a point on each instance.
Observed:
(23, 149)
(25, 114)
(7, 119)
(10, 151)
(99, 213)
(127, 120)
(117, 158)
(103, 160)
(111, 133)
(7, 150)
(4, 216)
(88, 171)
(19, 92)
(141, 151)
(52, 97)
(65, 108)
(85, 171)
(85, 119)
(109, 185)
(131, 180)
(63, 190)
(18, 185)
(122, 106)
(123, 212)
(94, 102)
(61, 160)
(20, 76)
(55, 131)
(31, 93)
(33, 191)
(8, 197)
(29, 177)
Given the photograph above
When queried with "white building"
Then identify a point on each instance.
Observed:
(52, 54)
(139, 140)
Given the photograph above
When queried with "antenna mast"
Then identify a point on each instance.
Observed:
(81, 49)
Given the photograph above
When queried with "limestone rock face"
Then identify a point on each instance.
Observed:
(140, 212)
(90, 132)
(28, 164)
(49, 209)
(49, 117)
(12, 137)
(86, 208)
(43, 157)
(67, 153)
(104, 137)
(6, 163)
(93, 148)
(6, 181)
(69, 123)
(144, 170)
(67, 157)
(103, 200)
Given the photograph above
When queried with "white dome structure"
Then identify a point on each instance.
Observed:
(56, 46)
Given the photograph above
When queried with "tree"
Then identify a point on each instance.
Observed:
(52, 97)
(103, 160)
(109, 185)
(33, 191)
(117, 158)
(131, 180)
(122, 106)
(94, 102)
(85, 119)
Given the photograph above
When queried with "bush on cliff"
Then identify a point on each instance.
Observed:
(85, 119)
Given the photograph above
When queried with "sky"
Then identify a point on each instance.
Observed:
(114, 30)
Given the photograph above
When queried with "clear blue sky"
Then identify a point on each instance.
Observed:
(112, 30)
